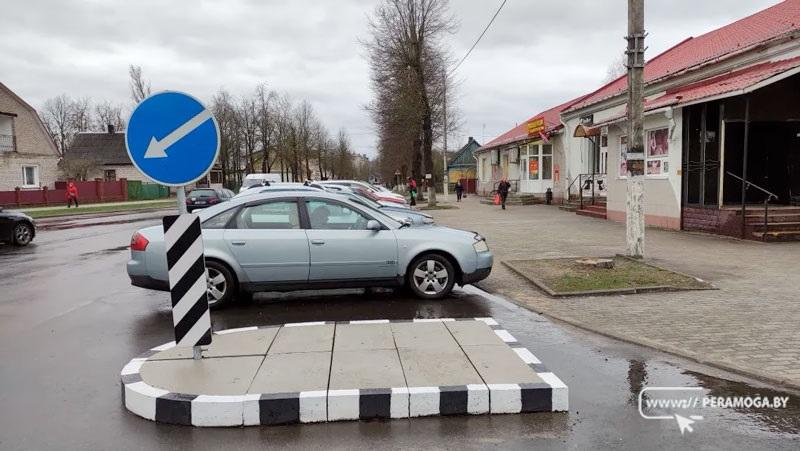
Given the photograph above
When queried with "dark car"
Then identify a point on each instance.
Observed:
(16, 227)
(205, 197)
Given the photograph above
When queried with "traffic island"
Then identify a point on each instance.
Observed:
(357, 370)
(590, 276)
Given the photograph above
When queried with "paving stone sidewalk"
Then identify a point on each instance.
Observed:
(750, 325)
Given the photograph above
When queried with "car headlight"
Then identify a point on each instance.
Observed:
(480, 246)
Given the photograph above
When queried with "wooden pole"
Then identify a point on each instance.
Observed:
(634, 208)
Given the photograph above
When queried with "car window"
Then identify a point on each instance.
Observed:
(202, 193)
(334, 216)
(269, 215)
(219, 221)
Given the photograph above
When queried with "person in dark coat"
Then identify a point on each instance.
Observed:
(502, 190)
(459, 190)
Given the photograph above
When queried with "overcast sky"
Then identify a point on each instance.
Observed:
(538, 53)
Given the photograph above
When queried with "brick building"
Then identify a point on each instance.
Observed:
(28, 157)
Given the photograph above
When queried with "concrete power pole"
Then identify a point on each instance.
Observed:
(444, 135)
(634, 206)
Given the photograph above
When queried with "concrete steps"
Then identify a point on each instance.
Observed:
(598, 210)
(786, 235)
(783, 224)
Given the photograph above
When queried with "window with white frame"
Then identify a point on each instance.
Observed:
(30, 176)
(657, 152)
(540, 162)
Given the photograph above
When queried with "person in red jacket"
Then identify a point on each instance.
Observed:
(72, 194)
(412, 189)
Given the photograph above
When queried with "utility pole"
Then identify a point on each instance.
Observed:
(444, 136)
(634, 206)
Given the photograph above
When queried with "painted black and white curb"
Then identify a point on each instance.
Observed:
(335, 405)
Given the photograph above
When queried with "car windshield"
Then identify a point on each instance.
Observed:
(355, 197)
(253, 182)
(202, 193)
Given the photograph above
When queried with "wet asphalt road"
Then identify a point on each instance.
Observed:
(69, 321)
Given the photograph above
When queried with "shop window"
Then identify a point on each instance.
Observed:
(30, 176)
(547, 161)
(657, 153)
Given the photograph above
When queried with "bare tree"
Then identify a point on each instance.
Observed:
(407, 59)
(107, 113)
(57, 116)
(82, 114)
(266, 124)
(248, 129)
(616, 69)
(140, 88)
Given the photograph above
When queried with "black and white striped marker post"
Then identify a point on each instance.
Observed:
(187, 281)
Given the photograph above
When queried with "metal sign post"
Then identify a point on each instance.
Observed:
(173, 139)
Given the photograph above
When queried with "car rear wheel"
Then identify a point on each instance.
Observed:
(23, 234)
(220, 284)
(431, 276)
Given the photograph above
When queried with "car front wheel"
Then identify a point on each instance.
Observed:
(220, 284)
(431, 276)
(23, 234)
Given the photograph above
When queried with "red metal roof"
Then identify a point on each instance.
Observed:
(732, 82)
(738, 36)
(552, 121)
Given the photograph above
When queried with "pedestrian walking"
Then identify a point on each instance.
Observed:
(412, 189)
(72, 194)
(502, 190)
(459, 190)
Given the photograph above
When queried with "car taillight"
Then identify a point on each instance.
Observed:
(138, 242)
(188, 202)
(213, 200)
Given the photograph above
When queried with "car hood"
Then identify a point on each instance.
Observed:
(15, 214)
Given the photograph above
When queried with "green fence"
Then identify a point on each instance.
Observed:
(146, 191)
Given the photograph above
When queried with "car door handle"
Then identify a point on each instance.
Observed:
(318, 242)
(238, 243)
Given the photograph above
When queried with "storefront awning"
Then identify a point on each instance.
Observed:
(585, 131)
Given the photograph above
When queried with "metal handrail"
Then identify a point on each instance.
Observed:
(749, 184)
(770, 196)
(580, 179)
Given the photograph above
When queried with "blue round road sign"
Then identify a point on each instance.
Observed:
(172, 138)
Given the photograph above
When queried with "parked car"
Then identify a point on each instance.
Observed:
(205, 197)
(273, 187)
(300, 240)
(382, 195)
(260, 179)
(16, 227)
(395, 211)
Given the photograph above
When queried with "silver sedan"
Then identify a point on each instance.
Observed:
(300, 240)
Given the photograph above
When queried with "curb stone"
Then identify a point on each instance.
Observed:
(160, 405)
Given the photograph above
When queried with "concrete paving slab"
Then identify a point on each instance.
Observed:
(366, 369)
(469, 333)
(294, 372)
(428, 335)
(251, 342)
(224, 376)
(435, 367)
(315, 338)
(352, 337)
(499, 364)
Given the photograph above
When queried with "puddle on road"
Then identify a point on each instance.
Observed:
(106, 251)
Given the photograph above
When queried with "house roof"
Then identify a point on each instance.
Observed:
(463, 156)
(763, 26)
(552, 121)
(103, 148)
(732, 83)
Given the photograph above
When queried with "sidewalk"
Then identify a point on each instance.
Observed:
(749, 325)
(96, 208)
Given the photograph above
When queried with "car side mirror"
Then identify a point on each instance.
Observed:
(374, 225)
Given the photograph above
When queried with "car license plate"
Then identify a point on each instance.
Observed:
(200, 202)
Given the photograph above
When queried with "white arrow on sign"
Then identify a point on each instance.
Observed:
(156, 148)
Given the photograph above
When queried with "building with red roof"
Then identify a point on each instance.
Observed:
(719, 108)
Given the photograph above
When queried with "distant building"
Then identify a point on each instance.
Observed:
(463, 166)
(105, 154)
(28, 157)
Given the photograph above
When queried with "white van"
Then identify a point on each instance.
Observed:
(251, 180)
